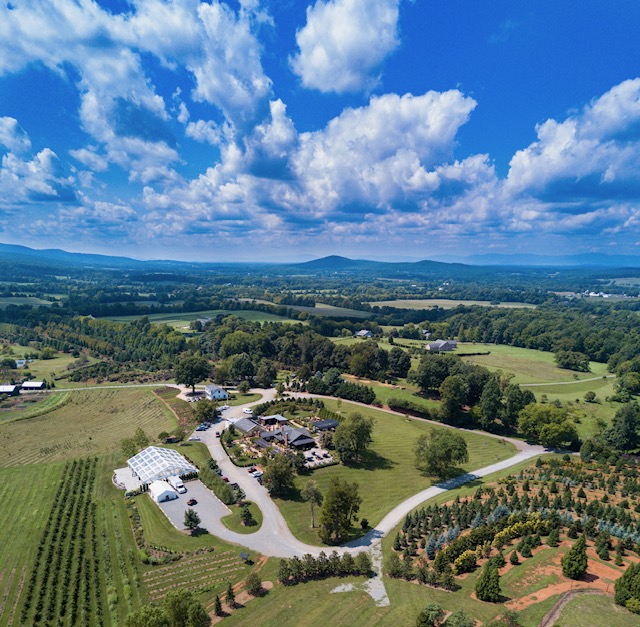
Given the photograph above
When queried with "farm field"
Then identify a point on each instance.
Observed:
(445, 303)
(183, 319)
(528, 365)
(320, 309)
(90, 422)
(5, 301)
(31, 405)
(388, 476)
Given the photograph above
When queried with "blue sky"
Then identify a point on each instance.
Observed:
(282, 130)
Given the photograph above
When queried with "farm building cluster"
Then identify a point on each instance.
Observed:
(11, 389)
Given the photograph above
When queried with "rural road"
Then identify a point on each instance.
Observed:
(532, 385)
(275, 539)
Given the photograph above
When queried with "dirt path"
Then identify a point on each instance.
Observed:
(531, 385)
(553, 614)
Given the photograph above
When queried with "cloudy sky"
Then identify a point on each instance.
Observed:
(282, 129)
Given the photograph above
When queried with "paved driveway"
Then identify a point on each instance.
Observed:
(209, 507)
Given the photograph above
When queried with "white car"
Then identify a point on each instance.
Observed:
(247, 410)
(224, 407)
(257, 474)
(194, 438)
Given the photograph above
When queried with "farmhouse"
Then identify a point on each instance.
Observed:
(216, 393)
(292, 436)
(442, 346)
(155, 463)
(10, 390)
(363, 333)
(33, 385)
(161, 491)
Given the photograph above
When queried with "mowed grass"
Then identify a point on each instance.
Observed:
(183, 319)
(388, 475)
(27, 496)
(528, 365)
(445, 303)
(234, 520)
(92, 421)
(34, 405)
(591, 610)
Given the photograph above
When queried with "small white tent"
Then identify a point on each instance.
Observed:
(161, 491)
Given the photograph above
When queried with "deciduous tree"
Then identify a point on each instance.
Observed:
(191, 370)
(440, 450)
(341, 504)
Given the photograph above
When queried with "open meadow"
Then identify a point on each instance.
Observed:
(388, 475)
(180, 320)
(445, 303)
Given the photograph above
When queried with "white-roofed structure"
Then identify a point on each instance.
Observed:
(155, 463)
(161, 491)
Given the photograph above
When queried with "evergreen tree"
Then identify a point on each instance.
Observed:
(554, 538)
(514, 559)
(230, 597)
(574, 562)
(431, 616)
(490, 402)
(488, 584)
(217, 606)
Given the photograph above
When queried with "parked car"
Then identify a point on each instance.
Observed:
(251, 469)
(247, 410)
(224, 407)
(192, 502)
(257, 474)
(225, 479)
(194, 438)
(217, 434)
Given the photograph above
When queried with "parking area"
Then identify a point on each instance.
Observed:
(208, 506)
(317, 457)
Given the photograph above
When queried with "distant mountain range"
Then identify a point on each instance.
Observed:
(444, 265)
(584, 260)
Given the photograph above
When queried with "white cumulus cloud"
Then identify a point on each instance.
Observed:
(344, 42)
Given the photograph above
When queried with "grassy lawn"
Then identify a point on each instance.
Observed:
(91, 422)
(241, 399)
(588, 610)
(183, 319)
(528, 365)
(388, 475)
(234, 522)
(196, 452)
(445, 303)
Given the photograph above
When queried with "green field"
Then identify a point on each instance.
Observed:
(320, 309)
(388, 475)
(445, 303)
(91, 422)
(5, 301)
(528, 365)
(588, 610)
(180, 320)
(32, 405)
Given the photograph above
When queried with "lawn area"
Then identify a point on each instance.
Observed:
(528, 365)
(590, 610)
(196, 452)
(93, 421)
(183, 319)
(388, 476)
(241, 399)
(445, 303)
(234, 521)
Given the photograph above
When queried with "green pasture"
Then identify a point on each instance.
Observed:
(5, 301)
(91, 422)
(388, 475)
(401, 390)
(591, 610)
(528, 365)
(320, 309)
(32, 405)
(183, 319)
(445, 303)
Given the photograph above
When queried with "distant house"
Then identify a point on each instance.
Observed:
(10, 390)
(442, 346)
(216, 393)
(247, 427)
(426, 334)
(363, 333)
(325, 425)
(33, 385)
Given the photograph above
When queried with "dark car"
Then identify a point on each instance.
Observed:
(192, 502)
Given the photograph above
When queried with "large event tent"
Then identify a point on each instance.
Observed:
(156, 463)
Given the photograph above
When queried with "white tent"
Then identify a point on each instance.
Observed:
(159, 463)
(161, 491)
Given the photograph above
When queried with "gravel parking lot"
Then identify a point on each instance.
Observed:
(209, 507)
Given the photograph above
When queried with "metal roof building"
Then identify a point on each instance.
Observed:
(159, 463)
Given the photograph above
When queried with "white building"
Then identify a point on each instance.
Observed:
(161, 491)
(156, 463)
(216, 393)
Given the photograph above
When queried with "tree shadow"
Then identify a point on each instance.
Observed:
(374, 461)
(199, 531)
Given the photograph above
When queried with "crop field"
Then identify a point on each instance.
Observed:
(5, 301)
(445, 303)
(183, 319)
(528, 365)
(32, 405)
(388, 475)
(92, 421)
